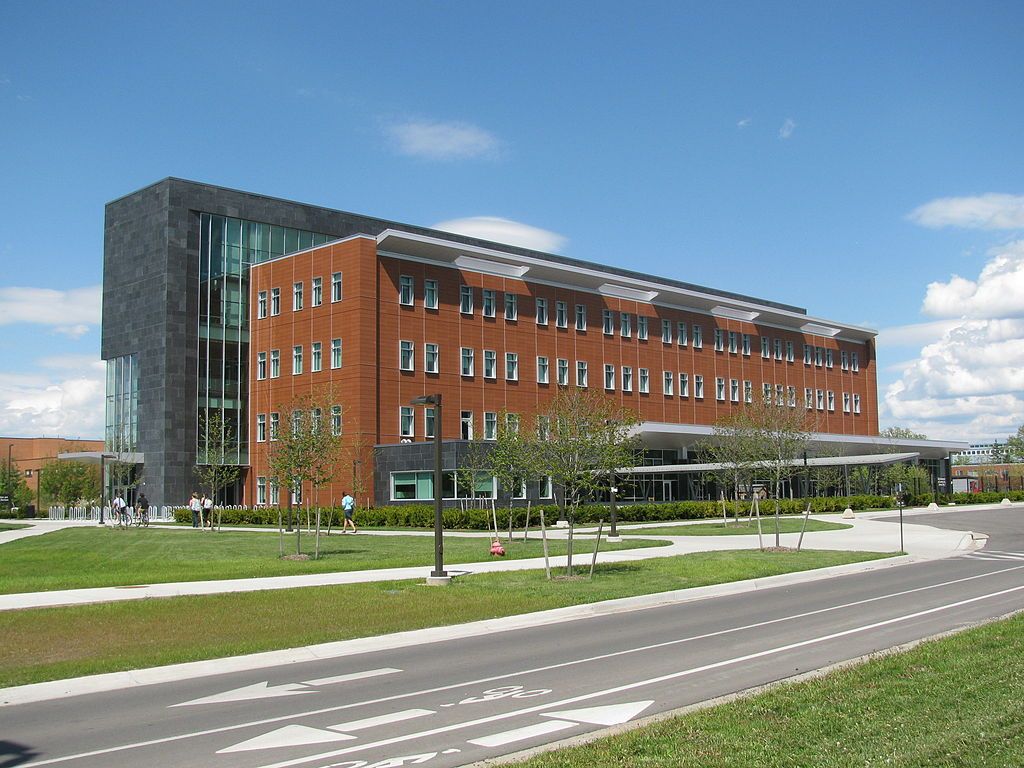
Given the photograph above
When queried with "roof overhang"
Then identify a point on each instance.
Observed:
(872, 459)
(97, 457)
(609, 282)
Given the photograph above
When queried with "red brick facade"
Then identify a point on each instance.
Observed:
(371, 322)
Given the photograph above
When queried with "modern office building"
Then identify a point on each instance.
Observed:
(219, 300)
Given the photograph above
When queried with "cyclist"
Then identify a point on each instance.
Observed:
(142, 506)
(120, 509)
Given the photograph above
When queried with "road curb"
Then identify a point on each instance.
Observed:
(113, 681)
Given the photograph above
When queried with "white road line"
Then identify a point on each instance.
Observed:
(353, 676)
(506, 676)
(643, 683)
(519, 734)
(371, 722)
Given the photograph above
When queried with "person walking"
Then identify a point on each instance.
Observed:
(197, 507)
(208, 510)
(348, 506)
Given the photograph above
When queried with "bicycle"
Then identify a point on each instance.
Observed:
(141, 518)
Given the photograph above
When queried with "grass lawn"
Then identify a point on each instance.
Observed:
(742, 528)
(100, 557)
(12, 526)
(953, 702)
(52, 643)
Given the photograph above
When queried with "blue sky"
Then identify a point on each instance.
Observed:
(842, 157)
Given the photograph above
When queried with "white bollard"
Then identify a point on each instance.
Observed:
(933, 505)
(848, 514)
(1005, 502)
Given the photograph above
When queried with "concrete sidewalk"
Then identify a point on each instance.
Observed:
(921, 543)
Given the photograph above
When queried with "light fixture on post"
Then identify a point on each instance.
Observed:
(438, 577)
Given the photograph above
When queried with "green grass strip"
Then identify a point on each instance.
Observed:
(11, 526)
(105, 557)
(734, 528)
(949, 703)
(53, 643)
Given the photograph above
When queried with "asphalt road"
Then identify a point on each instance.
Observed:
(456, 702)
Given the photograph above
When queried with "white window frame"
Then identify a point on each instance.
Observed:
(406, 290)
(561, 314)
(641, 327)
(261, 491)
(698, 337)
(336, 425)
(543, 370)
(297, 290)
(428, 422)
(406, 421)
(748, 391)
(430, 293)
(789, 352)
(511, 307)
(609, 377)
(488, 302)
(466, 362)
(581, 318)
(541, 310)
(830, 396)
(582, 374)
(766, 348)
(844, 360)
(734, 390)
(808, 354)
(490, 364)
(318, 292)
(466, 425)
(275, 302)
(490, 425)
(336, 359)
(698, 387)
(297, 360)
(666, 332)
(854, 364)
(733, 343)
(316, 361)
(261, 305)
(431, 357)
(720, 389)
(684, 385)
(465, 300)
(682, 333)
(625, 325)
(644, 381)
(261, 366)
(668, 383)
(846, 402)
(562, 371)
(828, 358)
(856, 404)
(336, 287)
(511, 366)
(261, 427)
(275, 363)
(607, 322)
(809, 398)
(275, 426)
(627, 378)
(778, 349)
(406, 355)
(819, 399)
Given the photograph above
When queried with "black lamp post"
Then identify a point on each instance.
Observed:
(438, 576)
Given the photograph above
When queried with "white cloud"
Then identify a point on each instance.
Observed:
(991, 211)
(504, 231)
(438, 140)
(70, 312)
(68, 404)
(998, 291)
(914, 334)
(787, 128)
(744, 122)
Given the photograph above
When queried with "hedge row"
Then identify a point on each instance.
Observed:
(422, 515)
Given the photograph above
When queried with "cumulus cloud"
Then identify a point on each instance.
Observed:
(914, 334)
(968, 382)
(787, 128)
(68, 402)
(439, 140)
(504, 231)
(70, 312)
(998, 291)
(991, 211)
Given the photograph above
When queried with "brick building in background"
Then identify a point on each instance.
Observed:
(217, 300)
(31, 454)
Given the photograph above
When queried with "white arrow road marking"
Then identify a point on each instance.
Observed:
(289, 736)
(615, 714)
(370, 722)
(519, 734)
(266, 691)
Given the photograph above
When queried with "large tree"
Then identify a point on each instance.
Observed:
(1015, 444)
(69, 482)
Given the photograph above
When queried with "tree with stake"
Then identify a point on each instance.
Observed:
(217, 443)
(511, 459)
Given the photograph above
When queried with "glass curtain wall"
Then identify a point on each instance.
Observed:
(228, 247)
(122, 406)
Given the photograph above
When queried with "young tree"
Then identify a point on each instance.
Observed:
(828, 477)
(731, 447)
(68, 482)
(13, 484)
(1015, 444)
(511, 458)
(218, 444)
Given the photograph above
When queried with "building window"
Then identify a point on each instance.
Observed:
(466, 299)
(296, 360)
(261, 490)
(542, 370)
(315, 418)
(512, 423)
(818, 356)
(542, 311)
(780, 395)
(296, 296)
(406, 425)
(684, 385)
(428, 422)
(561, 314)
(545, 487)
(335, 420)
(511, 366)
(746, 345)
(844, 361)
(405, 356)
(808, 351)
(581, 317)
(275, 301)
(563, 372)
(431, 358)
(808, 398)
(719, 388)
(581, 373)
(734, 390)
(789, 351)
(336, 287)
(698, 387)
(316, 364)
(682, 334)
(466, 425)
(856, 403)
(748, 391)
(296, 423)
(261, 365)
(430, 294)
(645, 381)
(490, 364)
(609, 376)
(335, 353)
(627, 378)
(668, 382)
(318, 291)
(625, 326)
(778, 349)
(846, 402)
(791, 392)
(718, 336)
(854, 366)
(733, 346)
(489, 302)
(820, 399)
(698, 341)
(275, 363)
(261, 427)
(766, 393)
(666, 331)
(766, 347)
(828, 358)
(641, 328)
(275, 495)
(406, 290)
(261, 305)
(543, 426)
(831, 400)
(607, 322)
(511, 306)
(275, 425)
(490, 425)
(467, 361)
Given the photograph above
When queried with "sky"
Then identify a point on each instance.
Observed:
(862, 160)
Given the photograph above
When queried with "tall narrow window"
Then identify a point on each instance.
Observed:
(511, 306)
(275, 425)
(666, 331)
(818, 356)
(406, 290)
(261, 365)
(490, 425)
(431, 358)
(698, 340)
(846, 402)
(609, 376)
(405, 356)
(335, 420)
(698, 387)
(607, 322)
(563, 372)
(719, 388)
(406, 423)
(511, 366)
(428, 422)
(789, 351)
(581, 373)
(467, 361)
(296, 296)
(748, 391)
(261, 427)
(490, 364)
(808, 398)
(542, 311)
(581, 317)
(819, 399)
(542, 370)
(561, 314)
(466, 425)
(719, 338)
(766, 347)
(668, 385)
(831, 400)
(275, 301)
(684, 385)
(625, 326)
(746, 345)
(296, 360)
(780, 395)
(261, 490)
(854, 366)
(856, 404)
(261, 305)
(733, 345)
(791, 396)
(734, 390)
(828, 358)
(627, 378)
(489, 302)
(318, 291)
(275, 363)
(682, 334)
(644, 382)
(335, 353)
(466, 299)
(336, 287)
(808, 351)
(641, 328)
(778, 349)
(844, 360)
(316, 364)
(430, 294)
